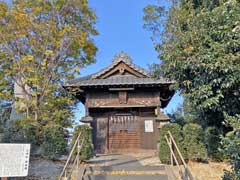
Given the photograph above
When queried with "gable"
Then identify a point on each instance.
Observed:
(122, 69)
(121, 66)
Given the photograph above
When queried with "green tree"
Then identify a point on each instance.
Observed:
(200, 49)
(177, 116)
(42, 45)
(194, 142)
(231, 143)
(212, 137)
(185, 114)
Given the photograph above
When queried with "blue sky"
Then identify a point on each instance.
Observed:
(121, 29)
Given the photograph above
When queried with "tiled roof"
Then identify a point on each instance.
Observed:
(120, 80)
(97, 80)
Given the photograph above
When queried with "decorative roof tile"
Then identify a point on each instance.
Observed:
(122, 57)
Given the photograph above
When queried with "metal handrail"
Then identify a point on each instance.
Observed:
(77, 146)
(186, 175)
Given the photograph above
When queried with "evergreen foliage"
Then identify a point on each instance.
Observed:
(213, 143)
(164, 152)
(5, 111)
(231, 146)
(199, 45)
(54, 139)
(87, 150)
(199, 48)
(54, 142)
(184, 114)
(21, 134)
(177, 116)
(194, 142)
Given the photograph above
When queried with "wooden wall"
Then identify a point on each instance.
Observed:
(130, 98)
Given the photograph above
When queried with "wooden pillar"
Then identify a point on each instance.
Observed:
(108, 134)
(86, 110)
(86, 106)
(157, 110)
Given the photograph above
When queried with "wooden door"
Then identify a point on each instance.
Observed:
(123, 134)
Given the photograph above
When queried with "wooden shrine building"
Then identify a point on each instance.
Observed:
(122, 104)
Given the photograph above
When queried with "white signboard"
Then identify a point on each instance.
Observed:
(148, 126)
(14, 160)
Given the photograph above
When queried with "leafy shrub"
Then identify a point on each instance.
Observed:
(50, 143)
(231, 147)
(18, 133)
(228, 175)
(164, 152)
(193, 142)
(213, 142)
(4, 116)
(54, 142)
(87, 150)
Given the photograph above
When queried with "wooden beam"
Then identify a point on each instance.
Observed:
(121, 89)
(122, 106)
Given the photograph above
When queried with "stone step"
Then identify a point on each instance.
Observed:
(126, 177)
(125, 168)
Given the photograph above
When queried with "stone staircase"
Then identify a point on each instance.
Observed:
(126, 173)
(122, 167)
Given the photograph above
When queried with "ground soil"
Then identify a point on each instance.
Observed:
(43, 169)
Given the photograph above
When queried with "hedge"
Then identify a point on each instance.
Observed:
(194, 142)
(87, 150)
(213, 143)
(164, 152)
(55, 143)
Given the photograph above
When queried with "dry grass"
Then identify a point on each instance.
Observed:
(202, 171)
(208, 171)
